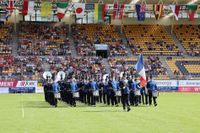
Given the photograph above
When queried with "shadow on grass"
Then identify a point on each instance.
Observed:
(95, 111)
(43, 104)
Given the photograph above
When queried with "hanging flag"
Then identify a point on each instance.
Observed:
(61, 8)
(141, 71)
(25, 8)
(3, 15)
(10, 7)
(182, 7)
(31, 5)
(79, 9)
(191, 11)
(99, 11)
(158, 10)
(118, 11)
(175, 10)
(46, 9)
(140, 9)
(89, 6)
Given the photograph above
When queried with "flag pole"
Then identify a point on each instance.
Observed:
(172, 26)
(15, 21)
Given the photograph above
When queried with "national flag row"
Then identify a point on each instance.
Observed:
(100, 9)
(158, 10)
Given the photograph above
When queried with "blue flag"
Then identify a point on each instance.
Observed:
(140, 9)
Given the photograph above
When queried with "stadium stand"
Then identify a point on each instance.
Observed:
(87, 35)
(82, 66)
(189, 36)
(153, 66)
(185, 68)
(6, 38)
(150, 40)
(22, 67)
(45, 39)
(39, 39)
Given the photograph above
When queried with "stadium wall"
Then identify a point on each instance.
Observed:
(12, 86)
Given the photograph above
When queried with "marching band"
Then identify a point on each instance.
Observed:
(107, 90)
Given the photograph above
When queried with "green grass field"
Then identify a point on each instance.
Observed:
(28, 113)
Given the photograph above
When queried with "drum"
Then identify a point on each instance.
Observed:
(96, 93)
(76, 95)
(155, 93)
(57, 95)
(118, 93)
(137, 92)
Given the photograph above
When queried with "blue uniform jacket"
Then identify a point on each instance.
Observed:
(126, 90)
(152, 85)
(93, 86)
(115, 85)
(73, 86)
(56, 87)
(134, 85)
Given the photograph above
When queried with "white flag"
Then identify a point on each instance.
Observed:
(31, 5)
(79, 9)
(175, 10)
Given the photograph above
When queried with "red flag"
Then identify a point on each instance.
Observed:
(10, 6)
(103, 10)
(121, 11)
(191, 15)
(115, 10)
(25, 8)
(118, 11)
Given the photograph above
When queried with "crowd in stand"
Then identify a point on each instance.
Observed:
(153, 66)
(6, 39)
(85, 36)
(23, 68)
(32, 67)
(38, 39)
(45, 39)
(79, 66)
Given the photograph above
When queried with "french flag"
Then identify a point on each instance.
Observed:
(141, 71)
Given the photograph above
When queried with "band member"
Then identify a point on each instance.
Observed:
(85, 90)
(101, 86)
(62, 90)
(56, 90)
(152, 90)
(45, 84)
(105, 91)
(125, 95)
(74, 89)
(67, 91)
(132, 92)
(137, 92)
(114, 88)
(93, 89)
(80, 85)
(146, 95)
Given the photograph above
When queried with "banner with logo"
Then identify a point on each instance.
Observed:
(189, 85)
(167, 85)
(8, 83)
(22, 90)
(13, 86)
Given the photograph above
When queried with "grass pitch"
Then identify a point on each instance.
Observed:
(28, 113)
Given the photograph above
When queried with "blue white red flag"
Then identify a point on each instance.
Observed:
(141, 71)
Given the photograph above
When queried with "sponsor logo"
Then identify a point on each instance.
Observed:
(27, 84)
